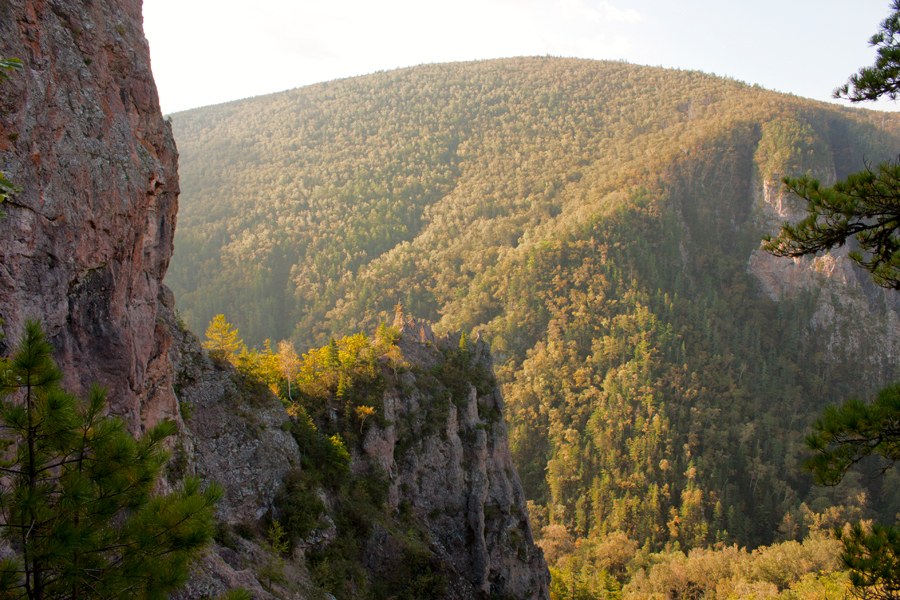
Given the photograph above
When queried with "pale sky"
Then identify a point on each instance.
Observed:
(206, 52)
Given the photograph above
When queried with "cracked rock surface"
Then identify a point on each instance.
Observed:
(88, 240)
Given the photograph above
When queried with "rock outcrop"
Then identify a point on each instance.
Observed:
(458, 478)
(451, 474)
(88, 240)
(232, 435)
(785, 277)
(233, 427)
(857, 321)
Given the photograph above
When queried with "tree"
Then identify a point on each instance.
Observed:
(873, 556)
(223, 339)
(362, 413)
(288, 363)
(271, 568)
(844, 436)
(866, 206)
(270, 362)
(848, 433)
(883, 78)
(76, 498)
(334, 355)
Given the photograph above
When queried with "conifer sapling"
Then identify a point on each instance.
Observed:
(76, 499)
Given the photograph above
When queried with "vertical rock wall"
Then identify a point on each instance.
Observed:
(88, 240)
(856, 320)
(459, 481)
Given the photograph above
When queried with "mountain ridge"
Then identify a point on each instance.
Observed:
(596, 222)
(436, 182)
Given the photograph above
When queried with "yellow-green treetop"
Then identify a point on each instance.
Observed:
(222, 338)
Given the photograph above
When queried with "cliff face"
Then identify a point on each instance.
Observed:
(857, 321)
(88, 240)
(85, 248)
(231, 434)
(459, 479)
(445, 463)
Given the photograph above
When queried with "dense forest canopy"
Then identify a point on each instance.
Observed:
(594, 221)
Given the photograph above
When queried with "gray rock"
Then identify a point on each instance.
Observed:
(459, 480)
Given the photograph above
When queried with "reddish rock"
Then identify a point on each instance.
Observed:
(88, 240)
(85, 248)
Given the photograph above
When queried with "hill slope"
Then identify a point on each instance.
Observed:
(598, 222)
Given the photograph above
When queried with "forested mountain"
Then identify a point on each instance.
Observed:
(598, 223)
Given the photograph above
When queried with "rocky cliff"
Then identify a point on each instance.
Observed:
(857, 321)
(85, 247)
(89, 238)
(458, 478)
(431, 492)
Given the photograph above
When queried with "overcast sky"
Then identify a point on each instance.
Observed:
(207, 52)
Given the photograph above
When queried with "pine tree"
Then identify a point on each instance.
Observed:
(342, 389)
(464, 343)
(882, 78)
(76, 497)
(866, 207)
(223, 342)
(847, 434)
(872, 554)
(334, 360)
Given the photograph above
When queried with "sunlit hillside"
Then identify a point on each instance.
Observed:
(593, 221)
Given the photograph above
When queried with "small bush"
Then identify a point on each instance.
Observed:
(178, 464)
(187, 410)
(224, 535)
(246, 530)
(336, 464)
(220, 360)
(299, 507)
